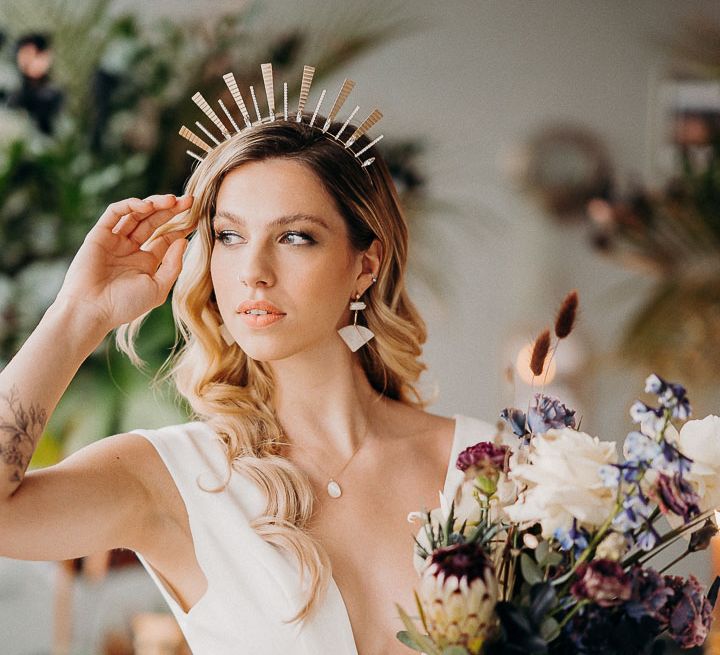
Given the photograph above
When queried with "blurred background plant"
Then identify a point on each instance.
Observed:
(670, 230)
(90, 106)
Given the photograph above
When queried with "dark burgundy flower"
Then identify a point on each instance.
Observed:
(690, 614)
(649, 595)
(675, 494)
(484, 458)
(602, 581)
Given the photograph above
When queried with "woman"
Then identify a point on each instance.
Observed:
(276, 521)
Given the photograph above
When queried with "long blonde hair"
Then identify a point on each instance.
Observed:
(232, 392)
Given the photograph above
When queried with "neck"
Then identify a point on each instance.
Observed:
(324, 401)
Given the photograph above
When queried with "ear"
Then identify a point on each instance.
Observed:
(370, 261)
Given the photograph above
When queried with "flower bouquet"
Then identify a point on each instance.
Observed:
(546, 546)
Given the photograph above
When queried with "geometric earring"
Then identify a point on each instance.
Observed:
(356, 335)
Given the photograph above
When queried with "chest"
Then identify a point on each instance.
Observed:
(370, 544)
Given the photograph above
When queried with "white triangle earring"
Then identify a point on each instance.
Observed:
(356, 335)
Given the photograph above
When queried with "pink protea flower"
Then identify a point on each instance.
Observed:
(458, 591)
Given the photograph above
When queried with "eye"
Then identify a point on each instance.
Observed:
(299, 238)
(224, 237)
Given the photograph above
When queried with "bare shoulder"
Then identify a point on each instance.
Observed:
(422, 428)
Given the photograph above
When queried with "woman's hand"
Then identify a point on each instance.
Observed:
(111, 277)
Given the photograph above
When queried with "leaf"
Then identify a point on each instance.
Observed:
(713, 591)
(553, 558)
(549, 629)
(421, 612)
(541, 552)
(530, 570)
(542, 600)
(455, 650)
(424, 643)
(405, 638)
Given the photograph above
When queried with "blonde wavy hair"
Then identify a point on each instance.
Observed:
(232, 392)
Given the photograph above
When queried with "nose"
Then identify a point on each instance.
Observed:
(255, 268)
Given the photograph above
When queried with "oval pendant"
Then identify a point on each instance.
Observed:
(333, 489)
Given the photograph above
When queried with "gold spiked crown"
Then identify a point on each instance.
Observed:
(308, 72)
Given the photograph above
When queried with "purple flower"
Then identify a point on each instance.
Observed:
(649, 596)
(602, 581)
(690, 612)
(484, 458)
(675, 494)
(548, 413)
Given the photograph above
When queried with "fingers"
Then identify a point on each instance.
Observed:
(159, 246)
(127, 225)
(170, 265)
(147, 226)
(115, 212)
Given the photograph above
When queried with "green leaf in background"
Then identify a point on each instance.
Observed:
(127, 86)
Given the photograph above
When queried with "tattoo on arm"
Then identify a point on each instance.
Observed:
(19, 431)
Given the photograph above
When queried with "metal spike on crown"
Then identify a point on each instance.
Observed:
(307, 76)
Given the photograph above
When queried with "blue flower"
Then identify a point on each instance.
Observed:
(515, 418)
(575, 537)
(655, 384)
(636, 509)
(647, 539)
(672, 460)
(610, 475)
(640, 448)
(651, 419)
(672, 396)
(548, 413)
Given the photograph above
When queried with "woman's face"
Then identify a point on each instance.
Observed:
(268, 247)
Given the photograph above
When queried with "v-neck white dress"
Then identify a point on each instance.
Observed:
(253, 586)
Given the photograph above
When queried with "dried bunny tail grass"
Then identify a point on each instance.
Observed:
(540, 352)
(565, 320)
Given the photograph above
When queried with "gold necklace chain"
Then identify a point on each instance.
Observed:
(333, 487)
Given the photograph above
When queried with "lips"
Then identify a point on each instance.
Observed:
(258, 304)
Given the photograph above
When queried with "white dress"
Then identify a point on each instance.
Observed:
(252, 585)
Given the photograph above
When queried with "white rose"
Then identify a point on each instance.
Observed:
(700, 441)
(563, 481)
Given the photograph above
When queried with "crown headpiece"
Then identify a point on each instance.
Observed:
(308, 72)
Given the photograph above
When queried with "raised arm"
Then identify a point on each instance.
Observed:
(110, 281)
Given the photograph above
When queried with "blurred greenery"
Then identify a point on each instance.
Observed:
(127, 87)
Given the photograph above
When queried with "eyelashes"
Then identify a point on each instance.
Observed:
(225, 236)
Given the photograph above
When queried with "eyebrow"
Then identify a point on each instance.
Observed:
(280, 220)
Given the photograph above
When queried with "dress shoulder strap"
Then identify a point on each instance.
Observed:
(468, 431)
(191, 452)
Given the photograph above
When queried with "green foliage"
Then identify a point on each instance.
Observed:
(127, 88)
